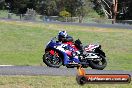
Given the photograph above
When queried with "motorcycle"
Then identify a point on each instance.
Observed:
(68, 54)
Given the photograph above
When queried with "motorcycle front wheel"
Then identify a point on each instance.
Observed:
(100, 65)
(52, 60)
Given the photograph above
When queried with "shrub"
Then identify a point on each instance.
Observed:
(64, 13)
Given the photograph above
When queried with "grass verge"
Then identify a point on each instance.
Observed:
(50, 82)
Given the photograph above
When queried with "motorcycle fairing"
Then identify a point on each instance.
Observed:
(60, 48)
(91, 47)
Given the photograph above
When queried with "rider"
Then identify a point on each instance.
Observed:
(64, 37)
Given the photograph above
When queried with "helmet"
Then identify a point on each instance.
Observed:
(62, 35)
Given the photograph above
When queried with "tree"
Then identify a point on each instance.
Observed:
(2, 4)
(125, 10)
(129, 10)
(114, 9)
(80, 10)
(47, 7)
(19, 6)
(104, 7)
(109, 8)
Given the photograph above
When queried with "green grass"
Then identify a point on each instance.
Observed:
(50, 82)
(23, 43)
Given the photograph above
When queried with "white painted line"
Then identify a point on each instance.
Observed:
(5, 65)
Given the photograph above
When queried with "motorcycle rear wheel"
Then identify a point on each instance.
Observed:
(96, 64)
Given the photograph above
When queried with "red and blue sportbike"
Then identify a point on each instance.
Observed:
(70, 54)
(67, 54)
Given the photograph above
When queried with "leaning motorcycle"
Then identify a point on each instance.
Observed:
(69, 55)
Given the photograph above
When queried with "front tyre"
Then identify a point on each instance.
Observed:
(52, 60)
(100, 65)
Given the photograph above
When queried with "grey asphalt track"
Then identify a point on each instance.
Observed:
(118, 26)
(42, 70)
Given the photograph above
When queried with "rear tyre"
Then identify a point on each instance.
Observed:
(100, 65)
(52, 60)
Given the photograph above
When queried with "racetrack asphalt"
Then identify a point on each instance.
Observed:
(118, 26)
(100, 25)
(48, 71)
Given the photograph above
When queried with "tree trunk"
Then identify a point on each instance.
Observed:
(80, 19)
(115, 3)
